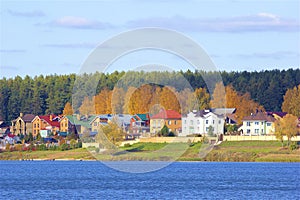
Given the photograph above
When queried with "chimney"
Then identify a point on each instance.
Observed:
(78, 117)
(51, 118)
(21, 114)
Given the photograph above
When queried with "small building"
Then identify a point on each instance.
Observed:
(203, 122)
(48, 122)
(76, 124)
(140, 123)
(22, 125)
(123, 121)
(259, 123)
(170, 118)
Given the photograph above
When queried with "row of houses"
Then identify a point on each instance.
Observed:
(195, 122)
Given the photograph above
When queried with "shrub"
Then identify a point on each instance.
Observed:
(293, 146)
(64, 147)
(7, 147)
(127, 145)
(97, 150)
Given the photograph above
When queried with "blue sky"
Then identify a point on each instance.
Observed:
(47, 37)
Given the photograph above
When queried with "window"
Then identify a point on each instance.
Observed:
(175, 122)
(262, 130)
(262, 123)
(256, 123)
(206, 121)
(213, 121)
(34, 125)
(185, 121)
(207, 129)
(169, 122)
(256, 131)
(219, 121)
(95, 123)
(248, 123)
(248, 130)
(269, 124)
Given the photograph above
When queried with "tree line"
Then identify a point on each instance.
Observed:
(129, 91)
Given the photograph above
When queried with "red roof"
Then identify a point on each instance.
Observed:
(167, 114)
(52, 123)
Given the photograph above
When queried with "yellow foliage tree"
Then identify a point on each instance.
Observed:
(203, 98)
(68, 110)
(127, 98)
(103, 102)
(219, 96)
(287, 126)
(117, 100)
(291, 101)
(110, 133)
(87, 107)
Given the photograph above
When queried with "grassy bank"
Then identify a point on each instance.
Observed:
(253, 151)
(75, 154)
(242, 151)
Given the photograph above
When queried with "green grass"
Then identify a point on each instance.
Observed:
(248, 151)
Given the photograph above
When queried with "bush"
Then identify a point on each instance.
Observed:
(42, 147)
(293, 146)
(97, 150)
(78, 145)
(127, 145)
(64, 147)
(7, 147)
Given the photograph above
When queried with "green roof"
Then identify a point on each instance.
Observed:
(143, 117)
(82, 122)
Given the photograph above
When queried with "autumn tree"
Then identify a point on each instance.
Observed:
(117, 100)
(203, 98)
(168, 99)
(291, 103)
(103, 102)
(110, 134)
(218, 96)
(68, 110)
(287, 126)
(87, 107)
(141, 99)
(128, 94)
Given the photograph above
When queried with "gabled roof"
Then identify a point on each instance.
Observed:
(28, 117)
(82, 121)
(47, 118)
(260, 116)
(143, 117)
(280, 114)
(167, 114)
(223, 111)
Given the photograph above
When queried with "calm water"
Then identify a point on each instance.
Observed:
(180, 180)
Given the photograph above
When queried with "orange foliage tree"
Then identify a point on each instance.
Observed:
(291, 101)
(68, 110)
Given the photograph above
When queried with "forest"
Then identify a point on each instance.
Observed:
(126, 92)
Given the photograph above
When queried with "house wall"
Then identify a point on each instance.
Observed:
(200, 125)
(258, 127)
(64, 125)
(21, 127)
(156, 125)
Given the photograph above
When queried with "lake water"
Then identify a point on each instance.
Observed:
(180, 180)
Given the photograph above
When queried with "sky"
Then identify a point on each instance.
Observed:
(57, 37)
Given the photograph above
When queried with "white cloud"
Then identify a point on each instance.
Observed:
(12, 51)
(79, 23)
(277, 55)
(250, 23)
(34, 13)
(72, 46)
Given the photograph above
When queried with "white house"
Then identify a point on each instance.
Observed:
(259, 123)
(201, 122)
